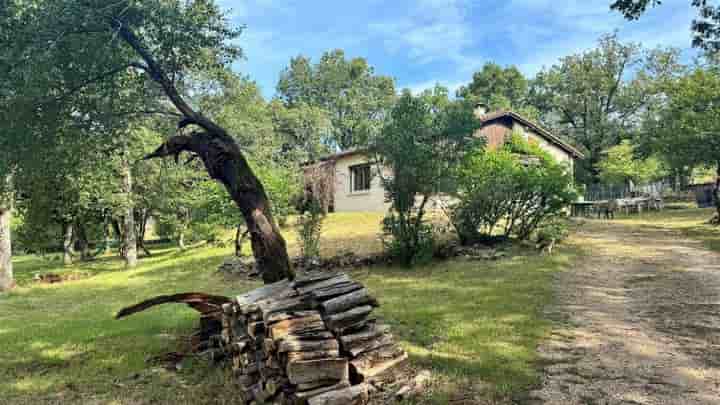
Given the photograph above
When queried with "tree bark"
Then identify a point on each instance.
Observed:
(184, 220)
(67, 244)
(128, 224)
(716, 193)
(240, 236)
(7, 280)
(82, 243)
(224, 162)
(141, 222)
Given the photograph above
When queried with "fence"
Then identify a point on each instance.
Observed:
(596, 192)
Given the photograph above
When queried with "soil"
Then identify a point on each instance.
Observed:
(638, 321)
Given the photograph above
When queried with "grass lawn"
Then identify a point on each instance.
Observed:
(692, 222)
(475, 325)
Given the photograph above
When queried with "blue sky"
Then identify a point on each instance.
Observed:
(424, 42)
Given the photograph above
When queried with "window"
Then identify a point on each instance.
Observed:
(359, 178)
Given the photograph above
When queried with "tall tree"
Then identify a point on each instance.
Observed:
(7, 280)
(500, 88)
(87, 53)
(688, 129)
(706, 27)
(597, 97)
(422, 140)
(356, 99)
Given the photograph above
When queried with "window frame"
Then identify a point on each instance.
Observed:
(354, 170)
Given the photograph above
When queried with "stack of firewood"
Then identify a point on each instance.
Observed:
(310, 341)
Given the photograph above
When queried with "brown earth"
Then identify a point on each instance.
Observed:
(639, 320)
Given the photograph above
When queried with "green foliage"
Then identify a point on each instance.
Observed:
(421, 143)
(304, 130)
(504, 192)
(597, 97)
(408, 239)
(621, 166)
(309, 229)
(553, 231)
(353, 96)
(500, 88)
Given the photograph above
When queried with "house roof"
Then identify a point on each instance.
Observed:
(487, 118)
(484, 120)
(344, 153)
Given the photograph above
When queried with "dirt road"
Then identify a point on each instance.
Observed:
(641, 316)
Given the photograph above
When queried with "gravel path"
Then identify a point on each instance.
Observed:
(641, 316)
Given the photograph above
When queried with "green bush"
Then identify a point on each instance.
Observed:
(407, 240)
(509, 192)
(309, 229)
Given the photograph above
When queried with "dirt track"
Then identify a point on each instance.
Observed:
(642, 322)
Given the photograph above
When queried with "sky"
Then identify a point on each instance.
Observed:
(424, 42)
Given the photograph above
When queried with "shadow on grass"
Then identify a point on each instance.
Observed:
(471, 320)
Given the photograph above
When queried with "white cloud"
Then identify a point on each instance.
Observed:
(435, 30)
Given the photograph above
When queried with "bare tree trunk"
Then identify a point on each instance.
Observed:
(7, 280)
(128, 224)
(183, 216)
(224, 162)
(716, 193)
(142, 219)
(240, 236)
(82, 243)
(68, 244)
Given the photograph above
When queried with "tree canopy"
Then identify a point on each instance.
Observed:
(354, 97)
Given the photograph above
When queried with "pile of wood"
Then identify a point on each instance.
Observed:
(310, 341)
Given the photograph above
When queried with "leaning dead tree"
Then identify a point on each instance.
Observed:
(111, 59)
(224, 162)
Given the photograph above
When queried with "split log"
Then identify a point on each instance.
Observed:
(358, 347)
(344, 320)
(296, 345)
(372, 364)
(354, 395)
(311, 371)
(301, 397)
(312, 355)
(348, 301)
(308, 324)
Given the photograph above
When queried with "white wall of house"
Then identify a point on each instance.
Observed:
(346, 200)
(373, 199)
(559, 154)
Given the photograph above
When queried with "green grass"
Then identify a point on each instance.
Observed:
(474, 324)
(692, 222)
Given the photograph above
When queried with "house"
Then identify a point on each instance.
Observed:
(353, 187)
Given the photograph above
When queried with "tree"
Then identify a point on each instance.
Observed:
(706, 27)
(622, 166)
(304, 130)
(688, 127)
(597, 97)
(7, 280)
(500, 88)
(85, 54)
(355, 99)
(419, 146)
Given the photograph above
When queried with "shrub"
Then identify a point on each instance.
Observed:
(421, 142)
(509, 192)
(407, 239)
(551, 233)
(309, 229)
